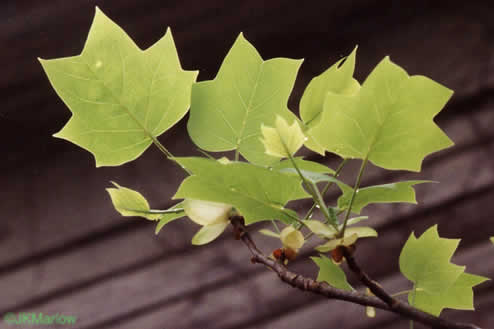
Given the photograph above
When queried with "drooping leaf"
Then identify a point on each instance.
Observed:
(303, 165)
(386, 193)
(337, 79)
(208, 233)
(458, 296)
(283, 140)
(120, 96)
(331, 273)
(389, 120)
(167, 218)
(438, 283)
(131, 203)
(227, 112)
(256, 192)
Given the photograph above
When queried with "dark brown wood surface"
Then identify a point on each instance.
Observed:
(64, 249)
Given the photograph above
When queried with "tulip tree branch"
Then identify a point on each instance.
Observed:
(384, 302)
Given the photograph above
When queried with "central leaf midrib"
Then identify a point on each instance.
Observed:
(129, 113)
(248, 108)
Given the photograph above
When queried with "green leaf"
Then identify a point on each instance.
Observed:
(305, 165)
(388, 121)
(458, 296)
(426, 261)
(283, 140)
(227, 112)
(256, 192)
(120, 96)
(208, 233)
(331, 273)
(394, 192)
(437, 282)
(338, 80)
(131, 203)
(167, 218)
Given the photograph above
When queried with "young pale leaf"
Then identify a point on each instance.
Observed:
(331, 273)
(256, 192)
(131, 203)
(388, 121)
(167, 218)
(208, 233)
(458, 296)
(352, 234)
(120, 96)
(437, 282)
(302, 164)
(206, 212)
(386, 193)
(492, 239)
(292, 238)
(337, 79)
(283, 140)
(269, 233)
(320, 229)
(227, 112)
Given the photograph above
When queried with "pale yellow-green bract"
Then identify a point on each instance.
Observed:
(438, 283)
(292, 238)
(227, 112)
(121, 97)
(389, 120)
(282, 140)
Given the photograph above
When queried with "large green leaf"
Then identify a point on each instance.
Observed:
(331, 273)
(120, 96)
(388, 121)
(394, 192)
(227, 112)
(437, 282)
(257, 192)
(459, 295)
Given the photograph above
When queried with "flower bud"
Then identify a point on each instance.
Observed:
(292, 238)
(206, 212)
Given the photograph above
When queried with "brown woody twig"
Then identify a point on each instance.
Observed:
(383, 300)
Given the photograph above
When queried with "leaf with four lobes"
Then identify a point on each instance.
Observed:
(389, 121)
(386, 193)
(331, 273)
(120, 96)
(437, 282)
(227, 112)
(256, 192)
(130, 203)
(338, 79)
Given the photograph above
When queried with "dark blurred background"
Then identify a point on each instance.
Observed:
(65, 250)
